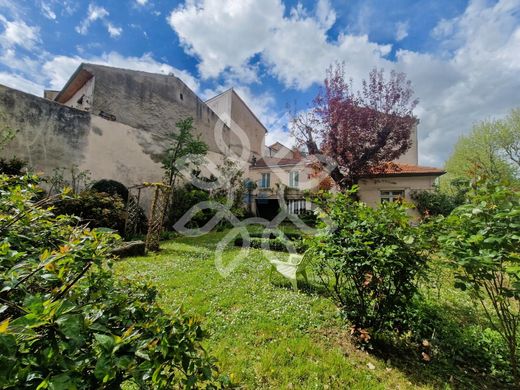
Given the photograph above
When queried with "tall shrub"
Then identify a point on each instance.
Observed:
(482, 240)
(67, 323)
(369, 260)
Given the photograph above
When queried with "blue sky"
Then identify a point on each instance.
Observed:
(463, 57)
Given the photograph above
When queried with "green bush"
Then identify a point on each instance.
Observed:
(98, 209)
(435, 203)
(482, 240)
(12, 167)
(274, 244)
(470, 346)
(67, 322)
(369, 261)
(182, 200)
(272, 235)
(111, 187)
(309, 218)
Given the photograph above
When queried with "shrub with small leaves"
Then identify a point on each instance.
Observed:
(67, 323)
(368, 261)
(433, 203)
(97, 209)
(482, 240)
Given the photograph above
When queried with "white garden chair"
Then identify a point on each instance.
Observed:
(296, 265)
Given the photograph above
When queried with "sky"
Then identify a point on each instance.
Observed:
(463, 57)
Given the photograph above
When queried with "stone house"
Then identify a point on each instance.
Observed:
(115, 123)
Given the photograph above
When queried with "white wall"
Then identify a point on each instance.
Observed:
(86, 90)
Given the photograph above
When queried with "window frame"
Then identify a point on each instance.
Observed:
(292, 182)
(393, 195)
(265, 183)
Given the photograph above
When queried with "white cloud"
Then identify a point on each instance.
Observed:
(60, 68)
(401, 31)
(473, 75)
(296, 48)
(477, 80)
(325, 14)
(114, 31)
(94, 13)
(141, 2)
(11, 59)
(11, 6)
(47, 11)
(21, 83)
(206, 29)
(18, 33)
(280, 135)
(98, 13)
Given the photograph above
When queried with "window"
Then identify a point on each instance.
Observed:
(391, 196)
(265, 182)
(294, 179)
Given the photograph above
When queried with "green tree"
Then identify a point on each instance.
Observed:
(231, 190)
(508, 137)
(186, 150)
(490, 150)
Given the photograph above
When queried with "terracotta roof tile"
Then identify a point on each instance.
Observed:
(394, 169)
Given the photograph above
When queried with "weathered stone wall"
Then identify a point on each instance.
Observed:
(153, 103)
(245, 121)
(48, 135)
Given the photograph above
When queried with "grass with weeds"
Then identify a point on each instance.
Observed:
(264, 334)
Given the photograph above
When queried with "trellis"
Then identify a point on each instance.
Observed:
(133, 210)
(156, 215)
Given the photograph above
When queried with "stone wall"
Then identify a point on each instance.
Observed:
(48, 134)
(154, 103)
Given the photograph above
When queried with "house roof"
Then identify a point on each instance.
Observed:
(401, 169)
(76, 81)
(278, 143)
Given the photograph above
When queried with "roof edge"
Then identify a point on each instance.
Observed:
(74, 76)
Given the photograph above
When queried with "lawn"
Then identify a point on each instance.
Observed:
(264, 334)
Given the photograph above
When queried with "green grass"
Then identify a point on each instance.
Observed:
(264, 334)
